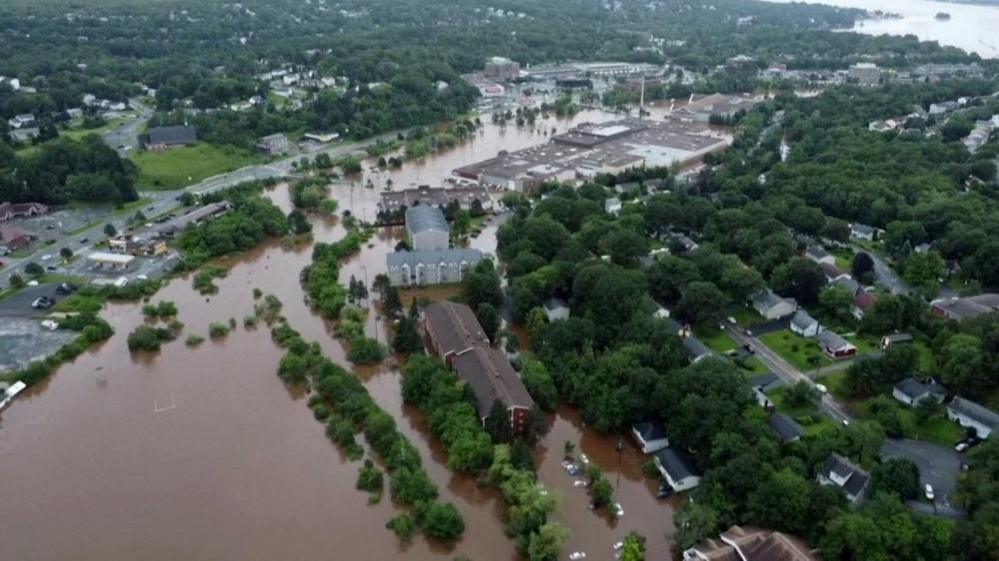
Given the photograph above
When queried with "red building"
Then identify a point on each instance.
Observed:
(452, 332)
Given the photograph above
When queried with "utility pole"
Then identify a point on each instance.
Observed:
(641, 100)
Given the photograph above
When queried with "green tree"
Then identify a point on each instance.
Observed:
(633, 548)
(702, 303)
(897, 475)
(16, 282)
(547, 543)
(962, 363)
(799, 278)
(924, 271)
(440, 521)
(109, 230)
(66, 253)
(34, 269)
(695, 522)
(489, 319)
(407, 337)
(482, 286)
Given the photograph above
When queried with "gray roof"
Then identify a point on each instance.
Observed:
(454, 326)
(555, 303)
(769, 299)
(488, 372)
(695, 348)
(849, 284)
(785, 427)
(171, 135)
(844, 468)
(802, 320)
(816, 252)
(650, 430)
(912, 388)
(767, 382)
(899, 338)
(862, 228)
(832, 340)
(968, 307)
(433, 257)
(974, 411)
(677, 463)
(422, 218)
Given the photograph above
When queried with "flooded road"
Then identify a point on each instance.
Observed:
(203, 454)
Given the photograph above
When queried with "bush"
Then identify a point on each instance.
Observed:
(164, 309)
(403, 526)
(364, 351)
(370, 478)
(147, 338)
(249, 321)
(218, 329)
(194, 340)
(203, 279)
(440, 521)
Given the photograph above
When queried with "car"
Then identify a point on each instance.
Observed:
(32, 283)
(84, 240)
(141, 277)
(928, 491)
(50, 325)
(46, 257)
(577, 555)
(150, 208)
(50, 227)
(579, 483)
(618, 546)
(962, 446)
(120, 147)
(66, 288)
(51, 267)
(822, 389)
(43, 303)
(618, 510)
(731, 320)
(585, 459)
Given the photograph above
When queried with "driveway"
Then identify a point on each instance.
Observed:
(885, 275)
(18, 305)
(938, 465)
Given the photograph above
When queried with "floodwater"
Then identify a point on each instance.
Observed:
(970, 27)
(203, 454)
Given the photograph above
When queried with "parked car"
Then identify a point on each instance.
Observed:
(928, 491)
(50, 325)
(577, 555)
(51, 267)
(618, 510)
(66, 288)
(43, 302)
(84, 240)
(821, 388)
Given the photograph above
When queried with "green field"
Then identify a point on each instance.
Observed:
(182, 166)
(716, 340)
(938, 429)
(796, 350)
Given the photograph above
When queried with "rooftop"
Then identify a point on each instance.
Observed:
(968, 307)
(856, 478)
(433, 257)
(677, 463)
(423, 218)
(744, 544)
(785, 427)
(454, 326)
(171, 135)
(972, 410)
(488, 372)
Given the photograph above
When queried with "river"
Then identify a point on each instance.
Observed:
(970, 27)
(203, 454)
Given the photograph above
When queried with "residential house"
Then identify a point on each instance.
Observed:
(26, 134)
(967, 307)
(969, 414)
(650, 435)
(160, 138)
(764, 384)
(501, 69)
(835, 346)
(786, 428)
(695, 348)
(682, 241)
(612, 206)
(452, 333)
(803, 324)
(427, 228)
(25, 120)
(846, 282)
(274, 145)
(556, 309)
(771, 306)
(832, 272)
(895, 339)
(819, 254)
(911, 391)
(744, 544)
(942, 107)
(678, 468)
(427, 267)
(21, 210)
(863, 303)
(860, 231)
(13, 237)
(843, 473)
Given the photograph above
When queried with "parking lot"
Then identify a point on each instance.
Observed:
(938, 465)
(23, 340)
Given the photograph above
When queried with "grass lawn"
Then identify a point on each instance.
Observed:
(808, 417)
(796, 350)
(182, 166)
(938, 429)
(836, 382)
(716, 339)
(864, 346)
(78, 133)
(746, 317)
(925, 361)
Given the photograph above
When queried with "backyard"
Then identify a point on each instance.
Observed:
(182, 166)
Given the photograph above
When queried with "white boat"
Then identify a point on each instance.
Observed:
(10, 393)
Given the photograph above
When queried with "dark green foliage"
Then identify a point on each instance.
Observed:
(164, 309)
(407, 337)
(403, 525)
(370, 478)
(897, 475)
(147, 338)
(251, 221)
(366, 351)
(440, 521)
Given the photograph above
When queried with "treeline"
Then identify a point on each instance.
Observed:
(346, 407)
(65, 170)
(252, 220)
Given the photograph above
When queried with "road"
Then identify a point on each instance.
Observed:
(126, 135)
(162, 202)
(787, 372)
(885, 275)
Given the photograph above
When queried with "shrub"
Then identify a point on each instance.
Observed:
(164, 309)
(194, 340)
(403, 526)
(146, 338)
(249, 321)
(370, 478)
(218, 329)
(203, 279)
(364, 351)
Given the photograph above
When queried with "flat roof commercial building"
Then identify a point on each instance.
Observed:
(591, 149)
(106, 260)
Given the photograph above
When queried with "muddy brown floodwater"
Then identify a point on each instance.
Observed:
(203, 454)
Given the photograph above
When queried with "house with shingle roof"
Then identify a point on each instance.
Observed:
(804, 324)
(846, 475)
(969, 414)
(750, 544)
(771, 306)
(786, 428)
(911, 391)
(678, 468)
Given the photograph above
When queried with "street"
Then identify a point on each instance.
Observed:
(788, 373)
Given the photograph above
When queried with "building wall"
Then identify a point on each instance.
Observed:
(428, 275)
(982, 430)
(901, 397)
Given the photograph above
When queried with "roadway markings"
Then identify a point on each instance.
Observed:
(157, 408)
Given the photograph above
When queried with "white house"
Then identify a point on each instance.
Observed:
(842, 473)
(556, 309)
(804, 324)
(860, 231)
(969, 414)
(910, 391)
(650, 435)
(427, 228)
(612, 206)
(771, 306)
(678, 468)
